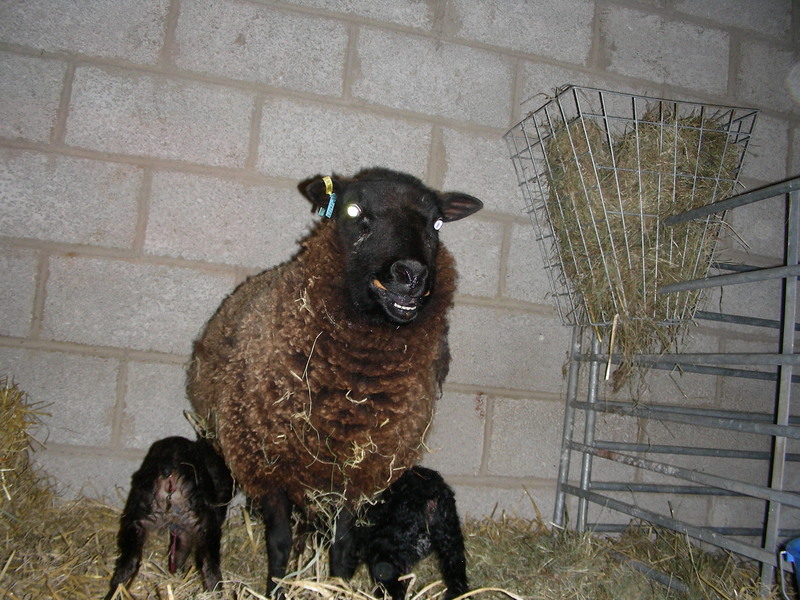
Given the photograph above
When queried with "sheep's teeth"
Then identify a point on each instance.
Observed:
(402, 306)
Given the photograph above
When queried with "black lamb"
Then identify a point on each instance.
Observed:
(182, 487)
(413, 518)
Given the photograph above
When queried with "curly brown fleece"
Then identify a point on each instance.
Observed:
(307, 396)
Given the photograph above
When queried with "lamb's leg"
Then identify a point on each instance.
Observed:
(131, 542)
(277, 513)
(448, 542)
(207, 554)
(343, 561)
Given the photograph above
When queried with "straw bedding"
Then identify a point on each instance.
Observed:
(51, 548)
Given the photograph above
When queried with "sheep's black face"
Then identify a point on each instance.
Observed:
(390, 238)
(388, 224)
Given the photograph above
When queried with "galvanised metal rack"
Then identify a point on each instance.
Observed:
(760, 541)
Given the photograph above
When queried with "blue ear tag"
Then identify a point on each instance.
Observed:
(328, 212)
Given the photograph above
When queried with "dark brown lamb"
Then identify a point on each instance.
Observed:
(182, 488)
(318, 377)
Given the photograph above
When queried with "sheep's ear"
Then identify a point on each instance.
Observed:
(455, 205)
(313, 189)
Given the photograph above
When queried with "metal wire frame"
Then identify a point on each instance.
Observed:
(779, 425)
(571, 112)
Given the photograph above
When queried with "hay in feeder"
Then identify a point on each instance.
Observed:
(51, 548)
(608, 197)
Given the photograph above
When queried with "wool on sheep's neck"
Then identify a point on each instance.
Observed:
(332, 404)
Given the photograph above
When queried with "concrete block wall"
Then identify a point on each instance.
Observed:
(149, 151)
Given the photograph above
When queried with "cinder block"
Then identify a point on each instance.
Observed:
(526, 438)
(477, 502)
(241, 224)
(678, 53)
(768, 17)
(475, 243)
(795, 150)
(549, 28)
(71, 200)
(760, 228)
(526, 277)
(129, 305)
(438, 78)
(507, 349)
(731, 511)
(80, 475)
(31, 95)
(791, 481)
(766, 153)
(408, 13)
(301, 139)
(751, 394)
(455, 439)
(123, 112)
(256, 43)
(130, 30)
(760, 299)
(765, 73)
(480, 165)
(539, 82)
(77, 393)
(17, 290)
(155, 399)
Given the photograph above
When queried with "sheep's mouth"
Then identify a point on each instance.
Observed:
(400, 308)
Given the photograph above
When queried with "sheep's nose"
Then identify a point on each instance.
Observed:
(409, 276)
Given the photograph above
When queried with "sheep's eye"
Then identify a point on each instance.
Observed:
(437, 225)
(353, 210)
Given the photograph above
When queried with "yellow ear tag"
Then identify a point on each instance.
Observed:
(328, 212)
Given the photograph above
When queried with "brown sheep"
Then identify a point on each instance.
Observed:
(319, 376)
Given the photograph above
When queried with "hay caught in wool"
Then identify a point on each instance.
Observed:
(608, 197)
(51, 548)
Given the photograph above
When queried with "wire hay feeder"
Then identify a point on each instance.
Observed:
(599, 172)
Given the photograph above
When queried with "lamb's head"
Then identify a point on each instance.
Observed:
(387, 224)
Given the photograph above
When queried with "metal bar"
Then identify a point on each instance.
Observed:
(770, 191)
(690, 419)
(720, 371)
(733, 278)
(568, 428)
(668, 581)
(713, 358)
(700, 533)
(690, 451)
(588, 432)
(668, 365)
(659, 488)
(646, 411)
(723, 483)
(734, 531)
(789, 318)
(741, 320)
(721, 266)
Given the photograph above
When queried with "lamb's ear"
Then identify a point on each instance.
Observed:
(313, 189)
(455, 205)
